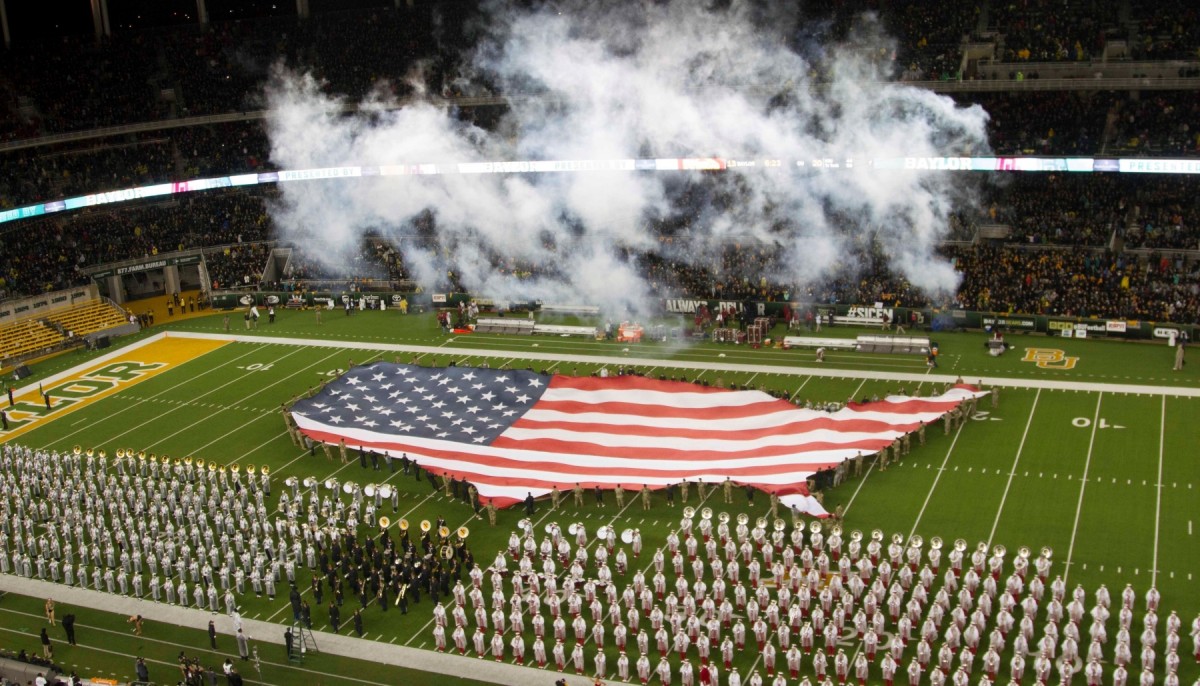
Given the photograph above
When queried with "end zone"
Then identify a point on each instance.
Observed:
(98, 378)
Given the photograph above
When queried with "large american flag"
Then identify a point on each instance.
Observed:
(514, 433)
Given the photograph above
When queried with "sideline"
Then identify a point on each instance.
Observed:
(924, 376)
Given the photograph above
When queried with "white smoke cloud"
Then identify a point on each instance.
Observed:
(674, 78)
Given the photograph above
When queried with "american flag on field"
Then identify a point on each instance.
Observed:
(513, 432)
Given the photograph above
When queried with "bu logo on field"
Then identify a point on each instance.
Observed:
(1049, 358)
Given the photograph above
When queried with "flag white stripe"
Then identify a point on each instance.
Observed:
(515, 457)
(618, 440)
(677, 399)
(767, 421)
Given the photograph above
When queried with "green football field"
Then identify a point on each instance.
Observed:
(1089, 454)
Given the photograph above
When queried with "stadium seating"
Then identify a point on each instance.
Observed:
(26, 337)
(92, 317)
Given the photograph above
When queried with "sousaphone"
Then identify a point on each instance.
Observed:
(1024, 552)
(251, 470)
(960, 544)
(760, 523)
(877, 535)
(1047, 552)
(463, 532)
(689, 512)
(426, 525)
(780, 525)
(936, 543)
(743, 518)
(403, 525)
(265, 470)
(814, 526)
(856, 535)
(723, 518)
(444, 531)
(999, 550)
(706, 513)
(384, 522)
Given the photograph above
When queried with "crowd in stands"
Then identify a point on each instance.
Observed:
(237, 266)
(146, 75)
(1051, 123)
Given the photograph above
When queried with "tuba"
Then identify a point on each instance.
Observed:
(960, 544)
(463, 532)
(856, 535)
(264, 470)
(1024, 552)
(403, 525)
(935, 543)
(877, 535)
(743, 518)
(780, 525)
(723, 518)
(814, 526)
(999, 550)
(251, 470)
(706, 513)
(1047, 552)
(689, 512)
(426, 525)
(384, 522)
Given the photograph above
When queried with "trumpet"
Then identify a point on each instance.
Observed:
(403, 525)
(426, 525)
(251, 470)
(706, 513)
(689, 512)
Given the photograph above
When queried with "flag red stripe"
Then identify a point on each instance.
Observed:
(539, 469)
(680, 456)
(793, 429)
(706, 413)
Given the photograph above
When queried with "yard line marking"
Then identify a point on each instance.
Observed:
(860, 485)
(172, 389)
(929, 496)
(1162, 437)
(1016, 459)
(793, 398)
(860, 385)
(1083, 487)
(247, 423)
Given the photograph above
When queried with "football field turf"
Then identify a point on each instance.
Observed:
(1089, 455)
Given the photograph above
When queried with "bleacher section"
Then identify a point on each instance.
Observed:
(899, 345)
(52, 331)
(563, 330)
(814, 342)
(26, 337)
(529, 327)
(519, 327)
(89, 318)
